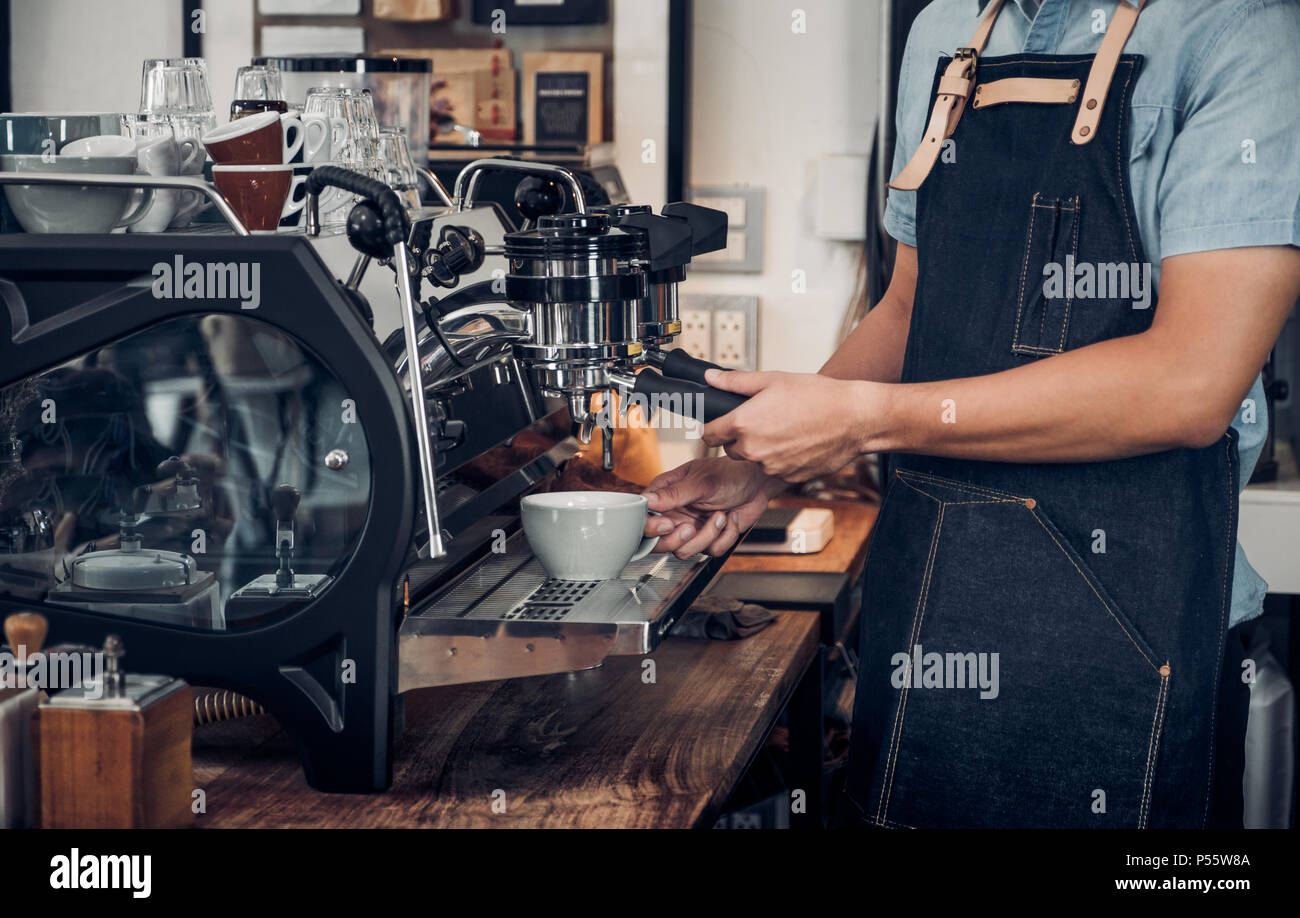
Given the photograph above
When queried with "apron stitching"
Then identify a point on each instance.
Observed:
(957, 485)
(1119, 162)
(889, 823)
(1218, 667)
(918, 490)
(1024, 268)
(886, 789)
(1074, 248)
(1153, 746)
(997, 500)
(984, 63)
(1105, 605)
(1042, 316)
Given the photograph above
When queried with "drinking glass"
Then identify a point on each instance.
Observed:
(399, 168)
(176, 90)
(177, 86)
(258, 81)
(354, 141)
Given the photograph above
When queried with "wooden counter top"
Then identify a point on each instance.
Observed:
(598, 748)
(844, 554)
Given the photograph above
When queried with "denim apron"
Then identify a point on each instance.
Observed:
(1041, 643)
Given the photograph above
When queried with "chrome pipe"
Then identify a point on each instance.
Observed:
(478, 335)
(428, 476)
(438, 187)
(466, 190)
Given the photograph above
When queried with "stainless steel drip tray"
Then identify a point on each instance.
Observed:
(505, 619)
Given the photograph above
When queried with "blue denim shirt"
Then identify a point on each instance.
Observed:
(1215, 155)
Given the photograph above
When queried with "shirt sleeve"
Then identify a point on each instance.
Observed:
(910, 117)
(1232, 177)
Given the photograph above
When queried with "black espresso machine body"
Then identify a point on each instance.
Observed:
(126, 375)
(206, 450)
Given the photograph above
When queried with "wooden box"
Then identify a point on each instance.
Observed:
(118, 769)
(415, 10)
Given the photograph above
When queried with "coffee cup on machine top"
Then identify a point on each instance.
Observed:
(586, 535)
(267, 138)
(257, 193)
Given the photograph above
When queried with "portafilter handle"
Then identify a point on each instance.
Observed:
(680, 365)
(703, 403)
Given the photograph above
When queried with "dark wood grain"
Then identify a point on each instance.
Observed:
(599, 748)
(844, 554)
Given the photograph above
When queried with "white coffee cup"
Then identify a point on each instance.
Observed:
(100, 145)
(160, 155)
(317, 134)
(586, 535)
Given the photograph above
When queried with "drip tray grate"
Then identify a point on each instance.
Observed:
(512, 586)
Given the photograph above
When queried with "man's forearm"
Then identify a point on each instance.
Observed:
(1106, 401)
(874, 350)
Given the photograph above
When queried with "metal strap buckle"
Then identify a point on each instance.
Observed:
(967, 54)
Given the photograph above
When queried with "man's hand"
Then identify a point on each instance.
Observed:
(796, 426)
(706, 504)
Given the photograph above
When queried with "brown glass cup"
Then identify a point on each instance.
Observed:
(257, 193)
(242, 108)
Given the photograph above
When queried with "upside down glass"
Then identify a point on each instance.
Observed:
(399, 169)
(354, 136)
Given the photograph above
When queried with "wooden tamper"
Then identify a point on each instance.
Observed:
(26, 630)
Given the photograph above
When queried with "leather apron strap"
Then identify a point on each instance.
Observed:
(955, 87)
(958, 82)
(1103, 68)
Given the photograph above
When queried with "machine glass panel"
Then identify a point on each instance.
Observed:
(206, 472)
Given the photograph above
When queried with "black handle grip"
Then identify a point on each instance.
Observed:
(686, 398)
(681, 365)
(284, 502)
(397, 225)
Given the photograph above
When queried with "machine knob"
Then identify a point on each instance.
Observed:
(460, 250)
(537, 197)
(284, 502)
(367, 232)
(26, 629)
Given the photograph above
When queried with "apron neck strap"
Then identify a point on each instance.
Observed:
(1103, 69)
(955, 87)
(958, 82)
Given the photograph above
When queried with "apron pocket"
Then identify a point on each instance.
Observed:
(1051, 248)
(1020, 695)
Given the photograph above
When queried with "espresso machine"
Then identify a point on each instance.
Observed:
(277, 500)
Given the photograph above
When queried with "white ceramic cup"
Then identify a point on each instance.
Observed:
(161, 155)
(294, 134)
(586, 535)
(100, 145)
(317, 134)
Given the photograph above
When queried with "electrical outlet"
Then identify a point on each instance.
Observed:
(696, 337)
(731, 339)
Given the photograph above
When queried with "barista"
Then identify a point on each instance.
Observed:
(1061, 508)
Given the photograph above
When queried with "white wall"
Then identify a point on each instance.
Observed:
(74, 55)
(641, 97)
(767, 103)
